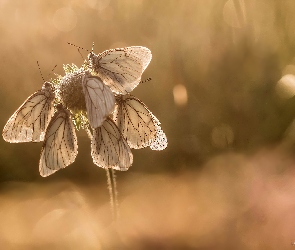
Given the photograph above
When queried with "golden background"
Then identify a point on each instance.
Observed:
(223, 86)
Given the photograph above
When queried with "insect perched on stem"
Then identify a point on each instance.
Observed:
(60, 146)
(109, 148)
(137, 124)
(121, 68)
(100, 101)
(30, 120)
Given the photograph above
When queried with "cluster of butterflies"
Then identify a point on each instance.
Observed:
(116, 120)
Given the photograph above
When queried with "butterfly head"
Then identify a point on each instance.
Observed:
(48, 89)
(93, 60)
(59, 107)
(47, 85)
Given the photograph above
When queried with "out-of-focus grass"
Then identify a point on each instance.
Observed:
(223, 89)
(234, 202)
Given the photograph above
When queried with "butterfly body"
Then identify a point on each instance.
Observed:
(121, 68)
(60, 146)
(100, 101)
(137, 124)
(30, 120)
(109, 149)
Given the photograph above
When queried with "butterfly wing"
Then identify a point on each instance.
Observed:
(109, 149)
(100, 100)
(121, 68)
(160, 141)
(29, 121)
(60, 146)
(136, 122)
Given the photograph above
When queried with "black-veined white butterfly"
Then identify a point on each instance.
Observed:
(100, 100)
(109, 149)
(60, 146)
(137, 124)
(121, 68)
(30, 120)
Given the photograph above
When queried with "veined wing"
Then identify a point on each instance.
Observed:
(121, 68)
(160, 141)
(137, 124)
(100, 100)
(60, 146)
(109, 149)
(30, 120)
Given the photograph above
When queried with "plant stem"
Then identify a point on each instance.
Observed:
(111, 193)
(239, 12)
(115, 193)
(112, 185)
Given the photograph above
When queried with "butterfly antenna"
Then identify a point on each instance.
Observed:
(92, 47)
(40, 71)
(81, 54)
(52, 70)
(78, 47)
(146, 80)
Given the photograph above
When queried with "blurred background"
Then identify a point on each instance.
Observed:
(223, 86)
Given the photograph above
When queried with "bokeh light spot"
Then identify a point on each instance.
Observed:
(289, 69)
(285, 87)
(222, 136)
(180, 95)
(65, 19)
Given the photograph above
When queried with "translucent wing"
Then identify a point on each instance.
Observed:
(100, 100)
(109, 149)
(60, 145)
(138, 125)
(29, 121)
(160, 142)
(121, 68)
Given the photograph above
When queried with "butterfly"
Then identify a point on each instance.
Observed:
(30, 120)
(121, 68)
(60, 146)
(109, 149)
(99, 98)
(137, 124)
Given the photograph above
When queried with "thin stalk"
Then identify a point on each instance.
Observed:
(115, 193)
(111, 193)
(239, 12)
(112, 186)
